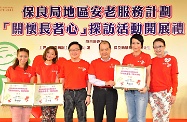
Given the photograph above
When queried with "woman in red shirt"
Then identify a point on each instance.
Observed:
(20, 72)
(164, 82)
(136, 100)
(47, 72)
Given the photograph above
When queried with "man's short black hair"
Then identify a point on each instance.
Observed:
(75, 42)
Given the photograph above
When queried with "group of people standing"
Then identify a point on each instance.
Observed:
(78, 76)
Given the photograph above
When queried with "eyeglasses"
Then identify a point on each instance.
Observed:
(74, 50)
(158, 47)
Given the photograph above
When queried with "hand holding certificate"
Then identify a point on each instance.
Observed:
(129, 77)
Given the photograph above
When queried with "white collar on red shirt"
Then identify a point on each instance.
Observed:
(47, 64)
(105, 60)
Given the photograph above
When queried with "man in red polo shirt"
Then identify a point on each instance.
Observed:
(101, 75)
(74, 77)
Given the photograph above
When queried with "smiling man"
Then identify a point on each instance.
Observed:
(101, 75)
(74, 77)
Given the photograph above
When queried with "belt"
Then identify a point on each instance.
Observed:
(103, 88)
(75, 89)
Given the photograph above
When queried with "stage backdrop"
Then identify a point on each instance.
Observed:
(37, 24)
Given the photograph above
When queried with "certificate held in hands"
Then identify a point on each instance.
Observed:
(129, 77)
(48, 94)
(18, 94)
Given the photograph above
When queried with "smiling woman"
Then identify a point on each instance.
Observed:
(20, 71)
(136, 100)
(164, 82)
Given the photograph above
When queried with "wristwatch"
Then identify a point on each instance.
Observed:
(89, 95)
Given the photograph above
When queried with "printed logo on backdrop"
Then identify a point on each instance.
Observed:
(8, 53)
(6, 9)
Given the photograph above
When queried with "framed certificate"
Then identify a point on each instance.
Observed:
(48, 94)
(129, 77)
(17, 94)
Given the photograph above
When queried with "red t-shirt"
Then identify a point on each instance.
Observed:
(60, 61)
(37, 61)
(141, 60)
(48, 73)
(19, 75)
(164, 74)
(75, 74)
(103, 70)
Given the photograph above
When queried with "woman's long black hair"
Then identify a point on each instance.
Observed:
(16, 63)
